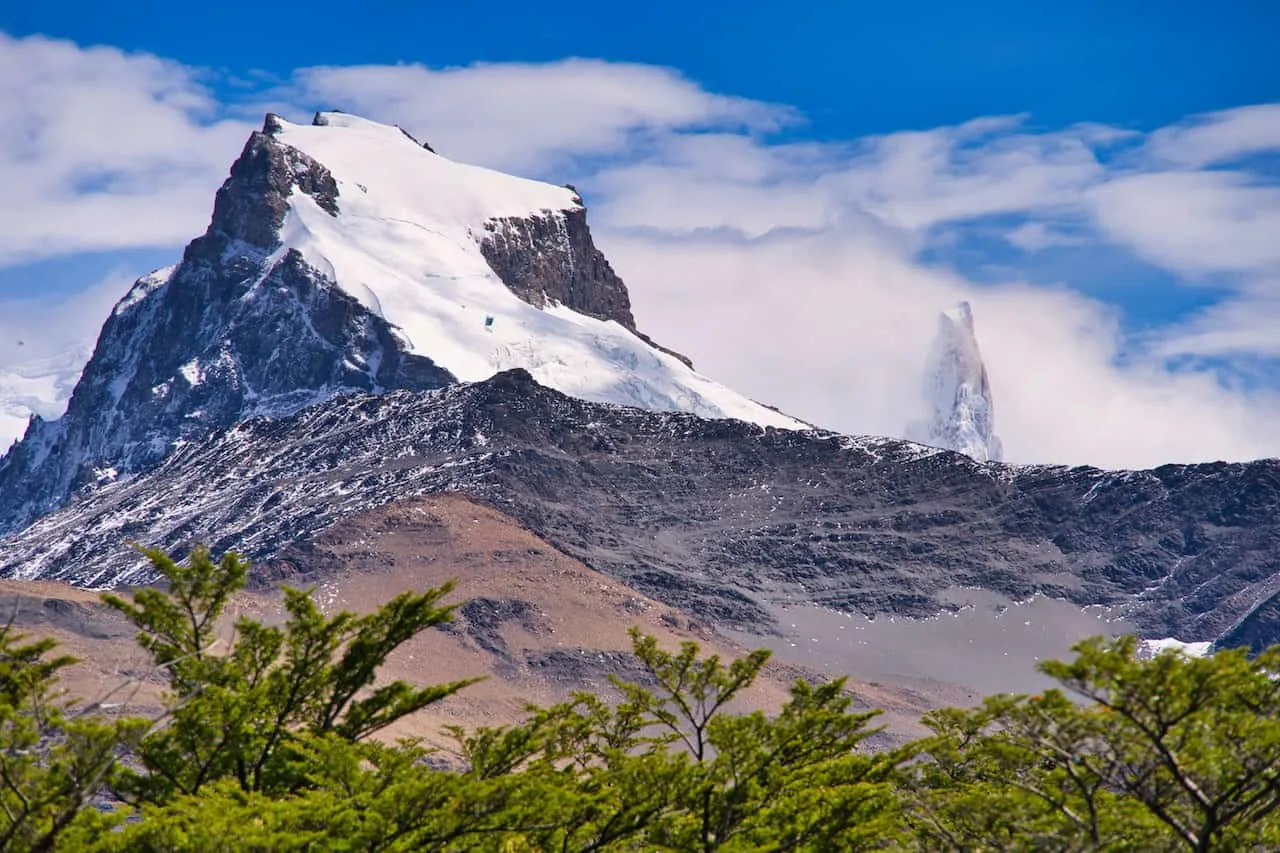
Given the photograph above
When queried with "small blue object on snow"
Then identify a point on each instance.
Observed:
(488, 322)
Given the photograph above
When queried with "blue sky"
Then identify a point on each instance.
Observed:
(1101, 179)
(852, 67)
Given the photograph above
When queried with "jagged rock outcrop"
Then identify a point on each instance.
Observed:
(251, 204)
(960, 412)
(552, 258)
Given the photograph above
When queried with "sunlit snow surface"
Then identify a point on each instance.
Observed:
(406, 244)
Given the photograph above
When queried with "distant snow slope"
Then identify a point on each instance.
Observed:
(38, 387)
(406, 243)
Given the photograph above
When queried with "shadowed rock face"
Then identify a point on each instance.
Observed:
(251, 204)
(720, 518)
(552, 259)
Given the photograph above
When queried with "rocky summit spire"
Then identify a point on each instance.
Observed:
(960, 415)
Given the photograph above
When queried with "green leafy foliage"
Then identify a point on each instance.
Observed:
(1166, 753)
(240, 701)
(667, 767)
(53, 759)
(795, 780)
(267, 745)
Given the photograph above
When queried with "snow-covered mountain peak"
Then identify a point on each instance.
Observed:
(482, 271)
(960, 412)
(383, 170)
(345, 256)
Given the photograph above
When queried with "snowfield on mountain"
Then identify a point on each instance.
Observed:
(406, 243)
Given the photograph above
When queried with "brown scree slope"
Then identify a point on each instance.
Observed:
(537, 623)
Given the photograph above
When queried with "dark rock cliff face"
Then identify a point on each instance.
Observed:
(716, 517)
(233, 331)
(250, 206)
(1257, 630)
(552, 258)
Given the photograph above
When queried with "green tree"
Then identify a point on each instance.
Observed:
(667, 767)
(1165, 753)
(670, 767)
(267, 745)
(793, 781)
(54, 759)
(1008, 776)
(241, 697)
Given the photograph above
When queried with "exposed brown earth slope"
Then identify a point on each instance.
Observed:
(537, 623)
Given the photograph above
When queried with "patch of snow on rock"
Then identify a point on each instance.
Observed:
(1151, 648)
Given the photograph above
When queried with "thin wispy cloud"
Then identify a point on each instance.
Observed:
(1194, 222)
(527, 117)
(1217, 137)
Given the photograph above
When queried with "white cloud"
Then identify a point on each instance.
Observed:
(917, 180)
(1194, 222)
(1243, 326)
(1063, 396)
(719, 180)
(44, 345)
(908, 181)
(834, 326)
(1035, 236)
(1217, 137)
(101, 149)
(33, 328)
(529, 117)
